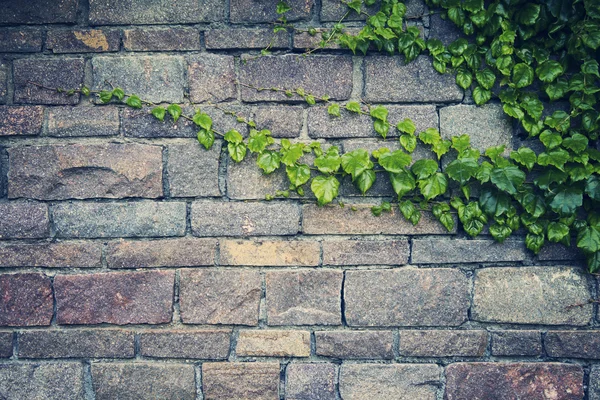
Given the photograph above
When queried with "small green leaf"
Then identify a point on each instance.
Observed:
(462, 170)
(486, 78)
(353, 106)
(409, 211)
(590, 67)
(175, 112)
(403, 182)
(310, 99)
(566, 200)
(134, 102)
(500, 232)
(85, 91)
(409, 142)
(395, 162)
(334, 110)
(234, 137)
(268, 161)
(508, 178)
(522, 75)
(557, 231)
(203, 120)
(159, 113)
(528, 13)
(592, 187)
(282, 7)
(406, 126)
(206, 138)
(329, 162)
(588, 240)
(292, 153)
(119, 94)
(534, 242)
(381, 127)
(379, 113)
(550, 139)
(298, 174)
(430, 136)
(549, 70)
(577, 142)
(105, 96)
(424, 168)
(325, 188)
(464, 78)
(592, 39)
(524, 156)
(365, 180)
(258, 141)
(557, 157)
(473, 5)
(237, 151)
(461, 143)
(481, 95)
(356, 162)
(494, 202)
(433, 186)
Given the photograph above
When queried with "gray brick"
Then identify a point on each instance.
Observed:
(355, 344)
(439, 343)
(39, 12)
(126, 12)
(516, 343)
(182, 252)
(569, 344)
(304, 40)
(365, 252)
(278, 253)
(594, 388)
(6, 344)
(216, 218)
(82, 121)
(212, 78)
(21, 121)
(318, 75)
(245, 39)
(245, 181)
(161, 39)
(159, 78)
(20, 41)
(3, 83)
(282, 121)
(238, 381)
(432, 251)
(332, 10)
(26, 300)
(48, 381)
(406, 297)
(24, 221)
(55, 73)
(69, 254)
(79, 343)
(193, 171)
(197, 344)
(389, 79)
(559, 252)
(133, 219)
(443, 29)
(83, 41)
(305, 381)
(253, 11)
(531, 295)
(273, 343)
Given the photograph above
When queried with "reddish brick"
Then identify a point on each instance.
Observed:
(355, 344)
(365, 252)
(443, 343)
(161, 39)
(516, 343)
(570, 344)
(21, 121)
(24, 221)
(310, 381)
(184, 252)
(239, 381)
(82, 121)
(21, 41)
(83, 41)
(69, 254)
(204, 344)
(25, 300)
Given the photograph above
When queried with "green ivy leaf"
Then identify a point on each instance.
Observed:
(566, 200)
(206, 138)
(329, 162)
(85, 91)
(234, 137)
(528, 13)
(592, 187)
(513, 111)
(486, 78)
(395, 162)
(424, 168)
(441, 211)
(533, 204)
(381, 127)
(258, 141)
(549, 70)
(334, 109)
(508, 178)
(557, 90)
(593, 260)
(522, 75)
(550, 139)
(409, 142)
(577, 142)
(379, 113)
(464, 78)
(292, 153)
(406, 126)
(433, 186)
(353, 106)
(159, 113)
(365, 180)
(403, 182)
(534, 242)
(550, 176)
(590, 67)
(458, 47)
(175, 112)
(494, 202)
(409, 211)
(461, 143)
(325, 189)
(533, 106)
(462, 170)
(356, 162)
(473, 5)
(588, 240)
(237, 151)
(456, 15)
(591, 39)
(105, 96)
(298, 174)
(430, 136)
(355, 5)
(524, 156)
(203, 120)
(282, 7)
(500, 232)
(310, 99)
(268, 161)
(557, 157)
(120, 94)
(481, 95)
(557, 231)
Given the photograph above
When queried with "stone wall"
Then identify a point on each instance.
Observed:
(136, 265)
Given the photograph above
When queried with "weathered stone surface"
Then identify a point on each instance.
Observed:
(439, 343)
(133, 219)
(282, 121)
(570, 344)
(245, 181)
(212, 78)
(69, 254)
(19, 121)
(389, 382)
(309, 297)
(270, 253)
(215, 218)
(406, 297)
(84, 171)
(143, 381)
(434, 251)
(304, 40)
(229, 297)
(64, 73)
(310, 381)
(48, 381)
(3, 89)
(272, 343)
(318, 75)
(253, 11)
(331, 10)
(184, 252)
(239, 381)
(20, 41)
(161, 39)
(514, 381)
(365, 252)
(26, 300)
(245, 39)
(6, 344)
(516, 343)
(24, 221)
(443, 29)
(531, 295)
(39, 12)
(83, 41)
(355, 344)
(559, 252)
(204, 344)
(389, 79)
(159, 78)
(82, 121)
(193, 171)
(115, 298)
(125, 12)
(101, 343)
(594, 388)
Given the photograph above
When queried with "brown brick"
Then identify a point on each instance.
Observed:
(355, 344)
(308, 297)
(83, 41)
(115, 298)
(21, 121)
(282, 121)
(39, 12)
(514, 381)
(6, 344)
(245, 181)
(238, 381)
(134, 12)
(85, 171)
(516, 343)
(569, 344)
(26, 300)
(193, 171)
(439, 343)
(253, 11)
(20, 41)
(69, 254)
(365, 252)
(245, 39)
(304, 381)
(79, 343)
(212, 78)
(270, 253)
(272, 343)
(184, 252)
(201, 344)
(24, 221)
(212, 296)
(82, 121)
(161, 39)
(51, 381)
(432, 251)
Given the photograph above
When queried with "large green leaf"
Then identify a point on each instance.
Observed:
(237, 151)
(486, 78)
(566, 200)
(549, 70)
(330, 161)
(577, 142)
(433, 186)
(557, 231)
(592, 187)
(356, 162)
(494, 202)
(588, 239)
(325, 188)
(556, 157)
(395, 162)
(462, 170)
(424, 168)
(522, 75)
(291, 154)
(524, 156)
(403, 182)
(206, 138)
(365, 180)
(507, 178)
(268, 161)
(298, 174)
(550, 139)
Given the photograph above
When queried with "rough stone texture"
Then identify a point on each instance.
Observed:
(569, 344)
(317, 75)
(20, 41)
(3, 88)
(310, 381)
(304, 40)
(514, 381)
(125, 12)
(559, 252)
(245, 181)
(331, 11)
(39, 12)
(64, 73)
(161, 39)
(389, 79)
(253, 11)
(193, 171)
(84, 171)
(115, 298)
(48, 381)
(443, 29)
(204, 344)
(133, 219)
(184, 252)
(309, 297)
(159, 78)
(389, 382)
(24, 221)
(213, 218)
(220, 39)
(21, 121)
(6, 344)
(25, 300)
(432, 251)
(355, 344)
(240, 381)
(272, 343)
(531, 295)
(282, 121)
(270, 253)
(105, 343)
(83, 41)
(69, 254)
(219, 297)
(594, 388)
(433, 343)
(212, 78)
(82, 121)
(365, 252)
(406, 297)
(143, 381)
(516, 343)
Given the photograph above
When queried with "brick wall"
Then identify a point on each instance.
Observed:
(134, 264)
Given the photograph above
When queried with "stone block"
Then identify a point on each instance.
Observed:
(48, 381)
(39, 12)
(246, 181)
(193, 171)
(24, 221)
(333, 11)
(570, 344)
(3, 84)
(6, 344)
(82, 121)
(255, 11)
(20, 41)
(310, 381)
(355, 344)
(68, 254)
(278, 253)
(183, 252)
(196, 344)
(282, 121)
(161, 39)
(21, 121)
(239, 381)
(516, 343)
(26, 300)
(83, 41)
(559, 252)
(305, 41)
(219, 39)
(150, 12)
(432, 251)
(365, 252)
(594, 387)
(432, 343)
(443, 29)
(273, 343)
(212, 78)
